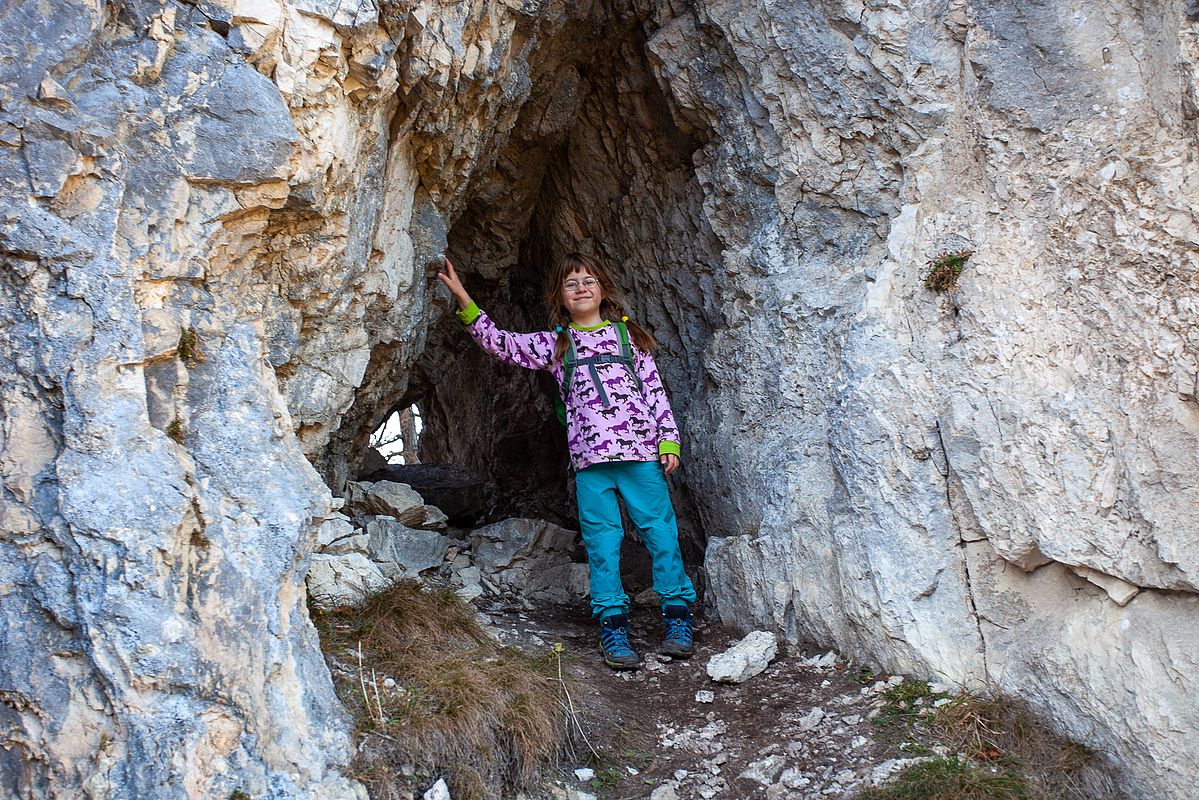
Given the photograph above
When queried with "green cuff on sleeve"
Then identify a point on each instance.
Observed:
(470, 313)
(670, 448)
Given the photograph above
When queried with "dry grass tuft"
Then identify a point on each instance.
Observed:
(1005, 731)
(486, 718)
(999, 751)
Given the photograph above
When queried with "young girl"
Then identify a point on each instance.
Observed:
(621, 433)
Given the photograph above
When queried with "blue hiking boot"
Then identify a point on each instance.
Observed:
(679, 637)
(614, 643)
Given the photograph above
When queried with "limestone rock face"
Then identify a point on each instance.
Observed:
(771, 183)
(925, 473)
(530, 558)
(215, 216)
(218, 224)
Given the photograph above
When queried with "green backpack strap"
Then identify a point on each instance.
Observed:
(626, 352)
(568, 374)
(572, 361)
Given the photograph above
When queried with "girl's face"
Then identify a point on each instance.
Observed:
(581, 294)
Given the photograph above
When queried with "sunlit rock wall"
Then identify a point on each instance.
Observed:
(216, 216)
(995, 485)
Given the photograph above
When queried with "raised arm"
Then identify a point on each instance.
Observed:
(528, 350)
(659, 406)
(449, 277)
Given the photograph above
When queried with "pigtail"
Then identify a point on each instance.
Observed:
(563, 343)
(560, 324)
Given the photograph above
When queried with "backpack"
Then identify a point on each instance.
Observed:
(572, 361)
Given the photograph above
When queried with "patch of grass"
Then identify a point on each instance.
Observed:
(945, 269)
(999, 751)
(951, 778)
(487, 718)
(1004, 730)
(188, 348)
(905, 702)
(175, 431)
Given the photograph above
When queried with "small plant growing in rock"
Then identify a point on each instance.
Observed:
(903, 703)
(863, 675)
(189, 347)
(605, 778)
(175, 430)
(945, 269)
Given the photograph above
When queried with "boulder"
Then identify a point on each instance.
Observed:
(343, 580)
(456, 490)
(358, 543)
(403, 551)
(336, 527)
(372, 461)
(391, 499)
(531, 557)
(744, 659)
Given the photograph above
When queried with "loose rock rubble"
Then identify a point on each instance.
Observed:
(802, 728)
(389, 533)
(737, 720)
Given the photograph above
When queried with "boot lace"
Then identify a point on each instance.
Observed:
(616, 641)
(679, 630)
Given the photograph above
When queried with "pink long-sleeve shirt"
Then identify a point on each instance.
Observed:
(636, 425)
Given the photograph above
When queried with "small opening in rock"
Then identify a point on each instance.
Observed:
(397, 440)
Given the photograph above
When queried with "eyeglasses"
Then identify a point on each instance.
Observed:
(574, 286)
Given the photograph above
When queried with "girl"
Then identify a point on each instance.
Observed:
(621, 434)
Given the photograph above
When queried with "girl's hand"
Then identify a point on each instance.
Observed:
(670, 462)
(450, 278)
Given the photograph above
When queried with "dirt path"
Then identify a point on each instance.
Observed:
(804, 728)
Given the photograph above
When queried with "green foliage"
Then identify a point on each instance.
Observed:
(945, 269)
(605, 778)
(862, 675)
(175, 431)
(953, 779)
(905, 702)
(188, 349)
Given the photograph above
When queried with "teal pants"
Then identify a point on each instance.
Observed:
(642, 484)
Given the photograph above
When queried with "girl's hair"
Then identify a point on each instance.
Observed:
(611, 307)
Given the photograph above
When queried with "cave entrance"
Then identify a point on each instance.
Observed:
(596, 161)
